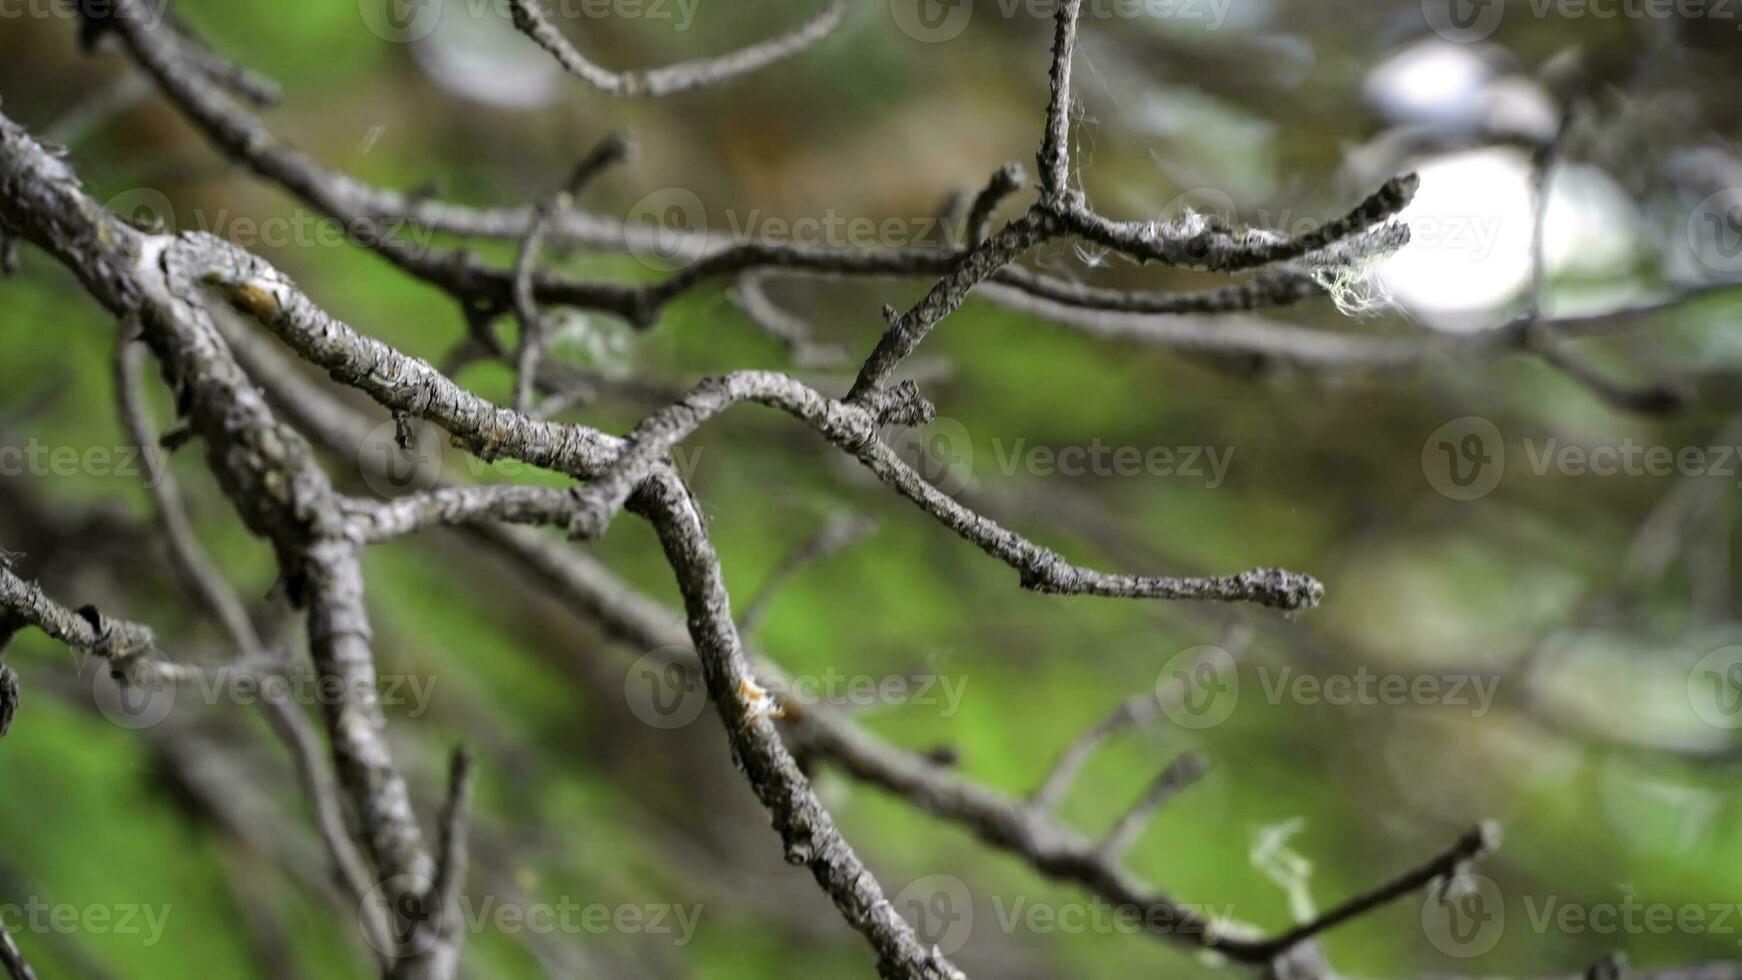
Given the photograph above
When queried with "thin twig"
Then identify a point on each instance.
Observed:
(1055, 149)
(12, 958)
(1179, 774)
(287, 721)
(265, 468)
(1132, 712)
(672, 79)
(1479, 841)
(1016, 826)
(1006, 180)
(840, 532)
(532, 322)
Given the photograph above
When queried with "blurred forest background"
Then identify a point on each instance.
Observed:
(1595, 603)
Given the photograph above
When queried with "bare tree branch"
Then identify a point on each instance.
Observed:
(672, 79)
(287, 721)
(12, 958)
(161, 286)
(1179, 774)
(1055, 148)
(1479, 841)
(1136, 710)
(86, 629)
(263, 466)
(1006, 180)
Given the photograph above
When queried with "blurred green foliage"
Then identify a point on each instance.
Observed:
(579, 801)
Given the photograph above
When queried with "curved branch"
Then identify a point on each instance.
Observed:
(852, 426)
(981, 261)
(375, 521)
(86, 629)
(269, 473)
(1195, 241)
(1027, 829)
(265, 468)
(805, 827)
(375, 216)
(657, 83)
(287, 721)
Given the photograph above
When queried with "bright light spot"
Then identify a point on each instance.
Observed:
(1454, 90)
(1468, 261)
(1436, 83)
(486, 59)
(1470, 231)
